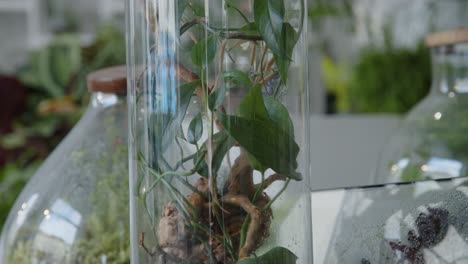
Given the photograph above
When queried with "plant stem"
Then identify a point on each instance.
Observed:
(277, 195)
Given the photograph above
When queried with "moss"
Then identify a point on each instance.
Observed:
(103, 235)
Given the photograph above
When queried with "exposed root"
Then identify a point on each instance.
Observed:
(206, 238)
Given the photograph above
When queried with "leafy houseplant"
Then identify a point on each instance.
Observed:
(218, 131)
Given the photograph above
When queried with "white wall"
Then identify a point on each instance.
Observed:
(345, 149)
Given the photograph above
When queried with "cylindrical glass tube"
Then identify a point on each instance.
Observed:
(218, 139)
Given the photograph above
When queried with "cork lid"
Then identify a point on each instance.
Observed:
(447, 37)
(108, 80)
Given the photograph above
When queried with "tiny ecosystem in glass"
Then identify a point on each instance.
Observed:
(75, 208)
(432, 142)
(218, 140)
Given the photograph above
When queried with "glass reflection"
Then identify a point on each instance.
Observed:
(60, 222)
(423, 222)
(433, 168)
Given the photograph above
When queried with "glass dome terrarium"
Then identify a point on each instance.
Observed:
(75, 208)
(432, 143)
(219, 138)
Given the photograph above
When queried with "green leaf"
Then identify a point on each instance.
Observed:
(278, 255)
(216, 98)
(221, 144)
(279, 36)
(237, 77)
(13, 140)
(270, 145)
(166, 126)
(195, 129)
(287, 44)
(204, 51)
(249, 29)
(276, 12)
(252, 106)
(268, 15)
(264, 23)
(279, 114)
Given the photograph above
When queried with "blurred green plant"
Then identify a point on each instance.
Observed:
(12, 178)
(392, 80)
(384, 79)
(336, 79)
(388, 80)
(56, 96)
(319, 9)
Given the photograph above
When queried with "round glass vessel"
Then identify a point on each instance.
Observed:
(75, 208)
(432, 142)
(219, 136)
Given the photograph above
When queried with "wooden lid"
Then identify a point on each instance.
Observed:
(108, 80)
(447, 37)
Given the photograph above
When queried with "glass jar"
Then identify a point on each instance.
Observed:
(75, 208)
(432, 142)
(218, 145)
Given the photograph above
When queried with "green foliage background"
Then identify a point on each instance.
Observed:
(381, 78)
(55, 81)
(390, 80)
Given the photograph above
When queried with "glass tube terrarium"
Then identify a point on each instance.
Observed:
(218, 140)
(75, 208)
(432, 143)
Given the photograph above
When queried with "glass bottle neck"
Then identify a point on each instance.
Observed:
(450, 69)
